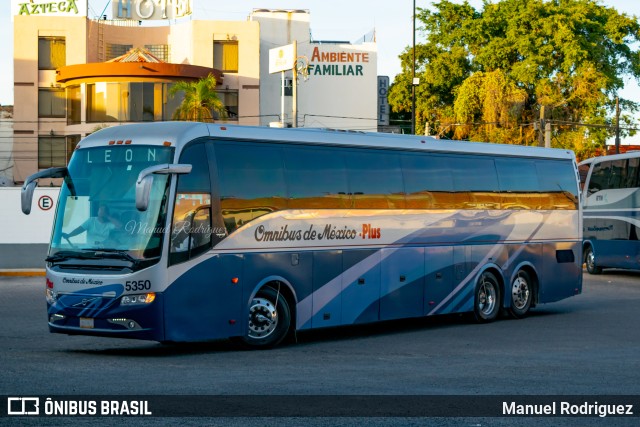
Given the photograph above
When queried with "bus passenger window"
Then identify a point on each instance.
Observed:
(375, 179)
(583, 170)
(599, 177)
(191, 228)
(632, 173)
(251, 181)
(316, 178)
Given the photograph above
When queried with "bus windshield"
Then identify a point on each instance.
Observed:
(97, 215)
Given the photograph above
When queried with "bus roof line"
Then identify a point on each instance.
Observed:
(180, 133)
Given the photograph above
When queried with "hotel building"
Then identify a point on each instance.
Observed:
(74, 75)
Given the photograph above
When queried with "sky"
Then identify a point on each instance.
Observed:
(330, 20)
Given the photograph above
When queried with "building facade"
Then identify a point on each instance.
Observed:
(74, 75)
(338, 88)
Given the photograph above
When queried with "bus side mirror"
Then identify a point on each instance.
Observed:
(26, 196)
(30, 184)
(145, 181)
(143, 190)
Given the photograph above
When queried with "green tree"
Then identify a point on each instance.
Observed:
(485, 75)
(200, 100)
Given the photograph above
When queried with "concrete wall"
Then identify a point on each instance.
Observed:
(24, 239)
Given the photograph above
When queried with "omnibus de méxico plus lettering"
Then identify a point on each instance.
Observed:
(188, 231)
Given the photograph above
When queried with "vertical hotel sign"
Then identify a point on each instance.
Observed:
(147, 10)
(383, 102)
(49, 8)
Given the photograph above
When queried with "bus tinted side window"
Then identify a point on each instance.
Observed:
(618, 174)
(191, 231)
(476, 177)
(583, 170)
(428, 181)
(632, 173)
(519, 184)
(251, 178)
(375, 179)
(559, 182)
(599, 177)
(316, 178)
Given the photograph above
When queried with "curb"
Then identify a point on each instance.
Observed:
(22, 273)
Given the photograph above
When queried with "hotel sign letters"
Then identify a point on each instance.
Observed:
(141, 10)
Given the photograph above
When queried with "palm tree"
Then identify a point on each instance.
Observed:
(200, 100)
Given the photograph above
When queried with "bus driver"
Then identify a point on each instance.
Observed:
(98, 227)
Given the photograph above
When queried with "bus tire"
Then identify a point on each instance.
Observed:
(269, 319)
(486, 306)
(590, 261)
(521, 294)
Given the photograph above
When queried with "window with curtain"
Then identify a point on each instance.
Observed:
(52, 53)
(51, 103)
(225, 56)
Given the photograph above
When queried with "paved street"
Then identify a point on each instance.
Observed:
(586, 345)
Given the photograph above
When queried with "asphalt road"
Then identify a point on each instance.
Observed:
(585, 345)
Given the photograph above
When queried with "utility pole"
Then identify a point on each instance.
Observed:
(294, 85)
(542, 128)
(547, 134)
(413, 75)
(617, 126)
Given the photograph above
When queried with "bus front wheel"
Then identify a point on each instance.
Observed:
(487, 298)
(590, 261)
(269, 319)
(521, 294)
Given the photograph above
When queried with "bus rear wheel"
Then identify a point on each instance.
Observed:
(486, 305)
(590, 261)
(269, 319)
(521, 294)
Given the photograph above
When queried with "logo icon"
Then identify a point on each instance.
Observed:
(84, 302)
(23, 406)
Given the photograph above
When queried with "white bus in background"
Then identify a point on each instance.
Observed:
(611, 211)
(179, 231)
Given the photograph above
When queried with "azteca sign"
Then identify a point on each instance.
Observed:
(50, 8)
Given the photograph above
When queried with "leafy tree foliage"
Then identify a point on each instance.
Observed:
(200, 101)
(486, 74)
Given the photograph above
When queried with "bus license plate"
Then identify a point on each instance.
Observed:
(86, 322)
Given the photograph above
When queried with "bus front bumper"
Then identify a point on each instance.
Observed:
(143, 322)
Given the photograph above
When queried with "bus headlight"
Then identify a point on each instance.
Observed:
(138, 299)
(51, 296)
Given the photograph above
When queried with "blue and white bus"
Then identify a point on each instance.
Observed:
(181, 231)
(611, 209)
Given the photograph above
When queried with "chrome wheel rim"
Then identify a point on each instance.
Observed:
(263, 318)
(591, 260)
(520, 293)
(486, 298)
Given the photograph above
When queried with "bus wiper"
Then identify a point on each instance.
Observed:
(65, 255)
(113, 254)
